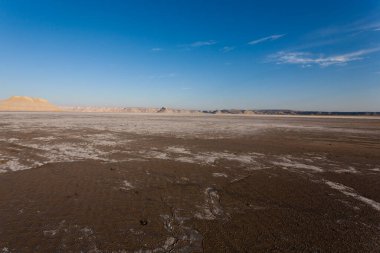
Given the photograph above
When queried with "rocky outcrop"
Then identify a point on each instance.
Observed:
(126, 109)
(23, 103)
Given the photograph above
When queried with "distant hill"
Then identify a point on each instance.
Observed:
(163, 110)
(291, 112)
(22, 103)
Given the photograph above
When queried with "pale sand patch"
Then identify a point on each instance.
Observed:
(211, 157)
(45, 138)
(107, 143)
(154, 154)
(288, 163)
(178, 150)
(350, 169)
(50, 233)
(182, 238)
(170, 241)
(105, 139)
(12, 165)
(348, 191)
(127, 186)
(219, 175)
(67, 152)
(211, 209)
(185, 159)
(198, 158)
(64, 231)
(46, 152)
(298, 166)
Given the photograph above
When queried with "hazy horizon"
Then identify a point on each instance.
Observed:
(297, 55)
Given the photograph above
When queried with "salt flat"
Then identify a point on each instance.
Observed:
(97, 182)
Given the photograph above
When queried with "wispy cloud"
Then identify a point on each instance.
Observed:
(337, 34)
(227, 49)
(375, 26)
(269, 38)
(308, 59)
(157, 49)
(203, 43)
(316, 43)
(357, 27)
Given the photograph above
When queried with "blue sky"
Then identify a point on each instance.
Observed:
(305, 55)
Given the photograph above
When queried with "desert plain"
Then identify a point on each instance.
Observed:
(108, 182)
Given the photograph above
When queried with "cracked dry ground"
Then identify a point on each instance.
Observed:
(283, 188)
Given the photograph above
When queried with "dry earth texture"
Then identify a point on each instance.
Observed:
(172, 183)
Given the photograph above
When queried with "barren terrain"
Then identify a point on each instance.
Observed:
(77, 182)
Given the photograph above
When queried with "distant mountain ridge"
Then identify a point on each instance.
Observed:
(23, 103)
(164, 110)
(125, 109)
(292, 112)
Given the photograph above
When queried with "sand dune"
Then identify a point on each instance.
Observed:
(23, 103)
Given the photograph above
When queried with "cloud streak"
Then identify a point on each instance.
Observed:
(353, 28)
(227, 49)
(308, 59)
(265, 39)
(203, 43)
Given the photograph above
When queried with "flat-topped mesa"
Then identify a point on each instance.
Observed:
(177, 111)
(23, 103)
(162, 110)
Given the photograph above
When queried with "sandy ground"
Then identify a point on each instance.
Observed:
(161, 183)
